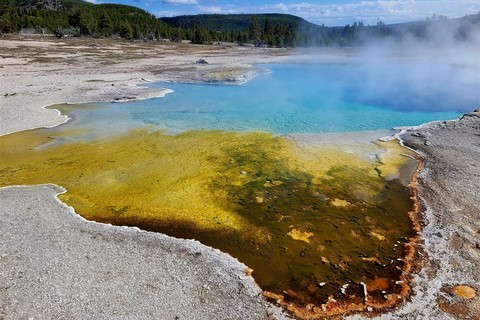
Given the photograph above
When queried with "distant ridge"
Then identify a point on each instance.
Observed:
(462, 27)
(310, 34)
(241, 22)
(270, 29)
(235, 22)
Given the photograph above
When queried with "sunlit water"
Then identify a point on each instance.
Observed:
(302, 99)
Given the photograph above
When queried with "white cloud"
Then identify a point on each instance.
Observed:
(226, 9)
(180, 1)
(388, 10)
(166, 13)
(280, 6)
(211, 9)
(368, 11)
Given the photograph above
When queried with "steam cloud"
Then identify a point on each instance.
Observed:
(434, 67)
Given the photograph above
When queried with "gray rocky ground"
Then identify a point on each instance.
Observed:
(450, 189)
(56, 265)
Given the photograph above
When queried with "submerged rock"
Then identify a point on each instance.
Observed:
(340, 203)
(300, 235)
(465, 292)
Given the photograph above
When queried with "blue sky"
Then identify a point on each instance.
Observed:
(329, 12)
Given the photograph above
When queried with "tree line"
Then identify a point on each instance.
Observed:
(79, 18)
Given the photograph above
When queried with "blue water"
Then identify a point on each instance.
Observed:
(303, 99)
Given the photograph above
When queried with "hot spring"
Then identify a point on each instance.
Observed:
(279, 172)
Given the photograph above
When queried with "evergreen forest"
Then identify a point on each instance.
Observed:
(81, 18)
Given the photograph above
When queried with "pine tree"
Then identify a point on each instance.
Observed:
(105, 25)
(254, 30)
(267, 30)
(126, 30)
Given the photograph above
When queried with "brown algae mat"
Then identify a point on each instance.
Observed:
(322, 229)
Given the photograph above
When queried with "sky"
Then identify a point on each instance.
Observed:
(328, 12)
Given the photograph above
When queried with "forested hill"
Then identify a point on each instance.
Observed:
(76, 17)
(235, 22)
(261, 29)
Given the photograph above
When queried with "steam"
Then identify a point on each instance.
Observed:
(432, 68)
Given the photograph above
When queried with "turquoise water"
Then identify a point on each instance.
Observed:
(300, 99)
